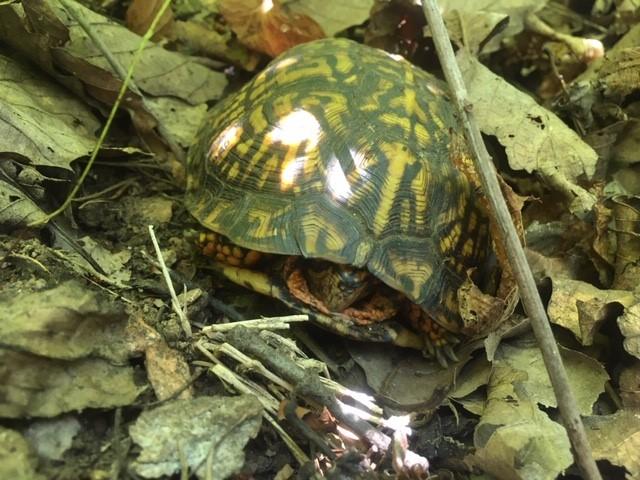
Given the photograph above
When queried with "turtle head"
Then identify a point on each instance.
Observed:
(338, 286)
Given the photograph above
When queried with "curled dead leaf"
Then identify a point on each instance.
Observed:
(266, 26)
(582, 308)
(481, 313)
(604, 248)
(629, 381)
(629, 324)
(626, 214)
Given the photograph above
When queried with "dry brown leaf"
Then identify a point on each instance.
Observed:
(480, 313)
(267, 27)
(206, 41)
(619, 74)
(18, 459)
(627, 146)
(515, 439)
(40, 122)
(141, 13)
(473, 27)
(616, 438)
(535, 139)
(37, 386)
(543, 266)
(604, 248)
(87, 324)
(332, 16)
(629, 382)
(629, 324)
(168, 371)
(581, 308)
(473, 14)
(200, 33)
(626, 214)
(391, 373)
(183, 434)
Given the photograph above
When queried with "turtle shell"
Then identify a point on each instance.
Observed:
(343, 152)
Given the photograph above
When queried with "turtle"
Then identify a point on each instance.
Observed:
(334, 170)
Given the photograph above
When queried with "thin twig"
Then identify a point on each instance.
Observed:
(247, 363)
(271, 323)
(175, 303)
(118, 186)
(27, 258)
(526, 283)
(118, 448)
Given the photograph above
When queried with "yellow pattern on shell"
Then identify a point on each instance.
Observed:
(344, 64)
(343, 153)
(399, 157)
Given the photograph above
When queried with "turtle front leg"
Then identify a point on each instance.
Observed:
(438, 342)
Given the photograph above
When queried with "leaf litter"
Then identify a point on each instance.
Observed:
(88, 328)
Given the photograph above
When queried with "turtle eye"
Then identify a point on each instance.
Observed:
(349, 280)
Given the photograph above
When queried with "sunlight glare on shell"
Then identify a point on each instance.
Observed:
(266, 6)
(225, 141)
(395, 56)
(284, 63)
(296, 127)
(360, 162)
(337, 181)
(279, 65)
(290, 171)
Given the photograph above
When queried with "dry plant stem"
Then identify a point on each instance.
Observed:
(524, 277)
(120, 454)
(271, 323)
(293, 447)
(118, 187)
(175, 303)
(279, 341)
(313, 437)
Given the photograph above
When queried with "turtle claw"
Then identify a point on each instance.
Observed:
(442, 360)
(429, 349)
(442, 350)
(450, 353)
(444, 355)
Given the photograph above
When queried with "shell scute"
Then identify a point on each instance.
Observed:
(338, 151)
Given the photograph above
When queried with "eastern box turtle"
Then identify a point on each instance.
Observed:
(337, 161)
